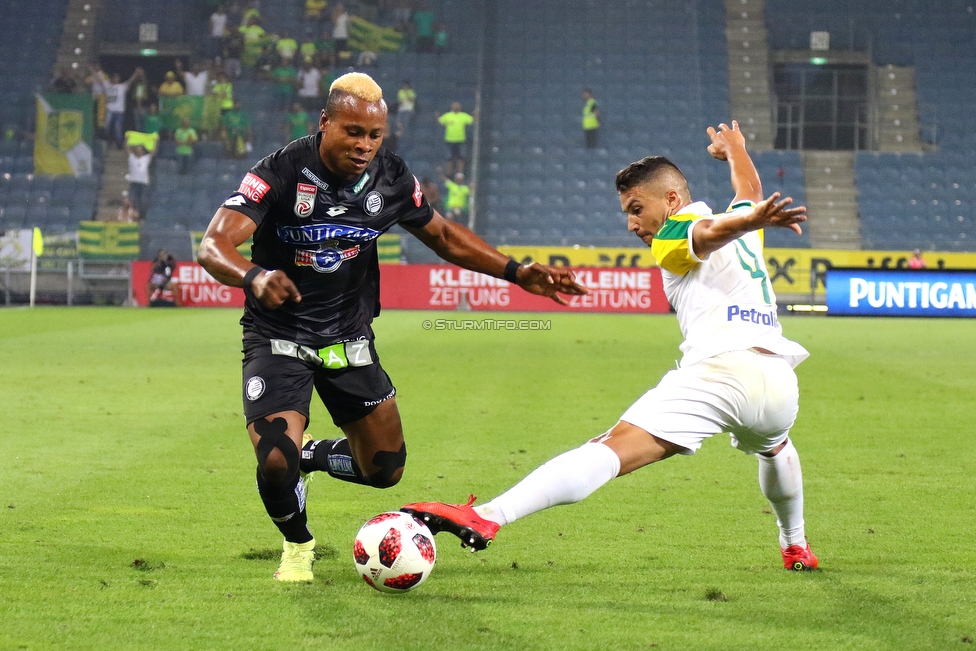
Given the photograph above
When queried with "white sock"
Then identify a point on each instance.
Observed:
(566, 479)
(782, 483)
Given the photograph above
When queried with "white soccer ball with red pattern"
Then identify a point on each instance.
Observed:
(394, 552)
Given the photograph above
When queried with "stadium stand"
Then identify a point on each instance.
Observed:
(910, 200)
(29, 37)
(658, 68)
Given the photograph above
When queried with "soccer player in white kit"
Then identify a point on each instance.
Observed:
(735, 375)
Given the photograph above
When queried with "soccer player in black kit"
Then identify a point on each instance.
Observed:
(315, 209)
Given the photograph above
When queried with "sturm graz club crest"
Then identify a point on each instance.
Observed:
(327, 259)
(305, 199)
(373, 203)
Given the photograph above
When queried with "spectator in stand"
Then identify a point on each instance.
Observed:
(196, 80)
(455, 123)
(152, 122)
(170, 87)
(233, 52)
(423, 21)
(309, 78)
(236, 130)
(458, 193)
(218, 30)
(287, 48)
(99, 83)
(142, 98)
(340, 28)
(251, 12)
(64, 82)
(406, 102)
(298, 123)
(591, 119)
(115, 92)
(307, 50)
(138, 177)
(440, 38)
(254, 40)
(266, 62)
(917, 261)
(367, 59)
(315, 10)
(286, 78)
(185, 137)
(223, 90)
(431, 192)
(127, 212)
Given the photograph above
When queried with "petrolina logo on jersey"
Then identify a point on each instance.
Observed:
(373, 203)
(318, 233)
(325, 260)
(418, 194)
(305, 199)
(253, 187)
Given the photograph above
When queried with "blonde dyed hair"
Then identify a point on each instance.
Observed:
(359, 85)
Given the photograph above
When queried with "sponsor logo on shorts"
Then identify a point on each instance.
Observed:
(752, 315)
(418, 194)
(373, 203)
(325, 260)
(305, 199)
(253, 187)
(310, 175)
(254, 388)
(373, 403)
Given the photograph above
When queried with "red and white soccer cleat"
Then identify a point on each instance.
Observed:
(459, 519)
(799, 558)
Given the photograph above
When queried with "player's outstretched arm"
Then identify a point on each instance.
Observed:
(458, 245)
(218, 254)
(729, 144)
(712, 234)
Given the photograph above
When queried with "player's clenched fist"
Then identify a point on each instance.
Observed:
(273, 288)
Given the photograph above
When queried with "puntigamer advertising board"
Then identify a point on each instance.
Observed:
(889, 292)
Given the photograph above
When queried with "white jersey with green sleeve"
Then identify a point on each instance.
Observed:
(725, 301)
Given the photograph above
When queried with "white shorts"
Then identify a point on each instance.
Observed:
(752, 396)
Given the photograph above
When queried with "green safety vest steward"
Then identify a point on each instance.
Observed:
(589, 115)
(457, 195)
(454, 124)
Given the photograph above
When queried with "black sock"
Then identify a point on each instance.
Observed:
(286, 506)
(334, 457)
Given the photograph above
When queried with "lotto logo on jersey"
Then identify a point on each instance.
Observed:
(305, 199)
(418, 195)
(253, 187)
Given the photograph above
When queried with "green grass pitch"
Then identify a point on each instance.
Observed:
(129, 517)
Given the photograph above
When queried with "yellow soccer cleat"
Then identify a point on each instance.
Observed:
(296, 562)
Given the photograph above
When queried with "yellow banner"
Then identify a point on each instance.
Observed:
(793, 271)
(581, 256)
(803, 271)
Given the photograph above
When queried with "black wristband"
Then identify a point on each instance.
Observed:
(510, 270)
(251, 274)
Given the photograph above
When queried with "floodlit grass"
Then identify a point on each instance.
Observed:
(129, 518)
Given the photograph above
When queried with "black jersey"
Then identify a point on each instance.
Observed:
(322, 233)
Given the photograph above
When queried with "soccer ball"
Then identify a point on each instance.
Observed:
(394, 552)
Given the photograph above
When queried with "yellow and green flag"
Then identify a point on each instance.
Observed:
(364, 35)
(65, 130)
(388, 248)
(108, 240)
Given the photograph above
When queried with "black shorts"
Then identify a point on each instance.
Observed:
(455, 150)
(273, 382)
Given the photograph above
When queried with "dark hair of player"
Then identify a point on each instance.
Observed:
(646, 169)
